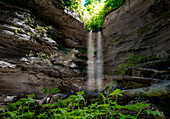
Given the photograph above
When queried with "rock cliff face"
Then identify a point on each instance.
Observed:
(16, 39)
(138, 27)
(33, 55)
(70, 31)
(16, 33)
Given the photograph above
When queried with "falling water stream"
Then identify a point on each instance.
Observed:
(91, 63)
(99, 62)
(95, 64)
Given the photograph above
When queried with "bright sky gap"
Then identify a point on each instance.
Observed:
(82, 2)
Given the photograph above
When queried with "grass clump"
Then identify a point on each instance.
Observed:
(75, 107)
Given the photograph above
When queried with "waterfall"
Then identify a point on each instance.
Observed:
(91, 63)
(95, 67)
(99, 62)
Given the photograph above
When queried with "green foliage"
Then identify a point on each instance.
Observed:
(83, 51)
(30, 54)
(30, 21)
(112, 5)
(74, 107)
(143, 30)
(16, 31)
(39, 29)
(97, 10)
(20, 109)
(42, 55)
(47, 90)
(42, 29)
(93, 12)
(155, 113)
(132, 60)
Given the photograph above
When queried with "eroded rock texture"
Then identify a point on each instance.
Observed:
(33, 56)
(70, 31)
(138, 27)
(16, 37)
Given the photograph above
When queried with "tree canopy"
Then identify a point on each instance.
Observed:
(93, 11)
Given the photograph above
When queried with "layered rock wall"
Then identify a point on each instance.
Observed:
(138, 27)
(70, 31)
(33, 56)
(16, 36)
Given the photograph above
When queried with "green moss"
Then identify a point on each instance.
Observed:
(143, 30)
(130, 61)
(84, 51)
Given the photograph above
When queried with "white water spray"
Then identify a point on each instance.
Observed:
(91, 63)
(99, 62)
(95, 68)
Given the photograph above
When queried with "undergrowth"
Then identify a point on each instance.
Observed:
(76, 107)
(130, 61)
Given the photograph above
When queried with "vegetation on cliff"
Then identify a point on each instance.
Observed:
(93, 12)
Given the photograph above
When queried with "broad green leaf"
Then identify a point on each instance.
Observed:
(80, 93)
(116, 92)
(31, 96)
(121, 116)
(42, 115)
(154, 113)
(103, 105)
(12, 114)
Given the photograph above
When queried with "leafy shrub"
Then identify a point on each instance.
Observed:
(75, 107)
(39, 29)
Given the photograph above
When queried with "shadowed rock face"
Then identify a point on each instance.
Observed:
(70, 31)
(73, 32)
(21, 75)
(15, 32)
(138, 27)
(30, 75)
(15, 37)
